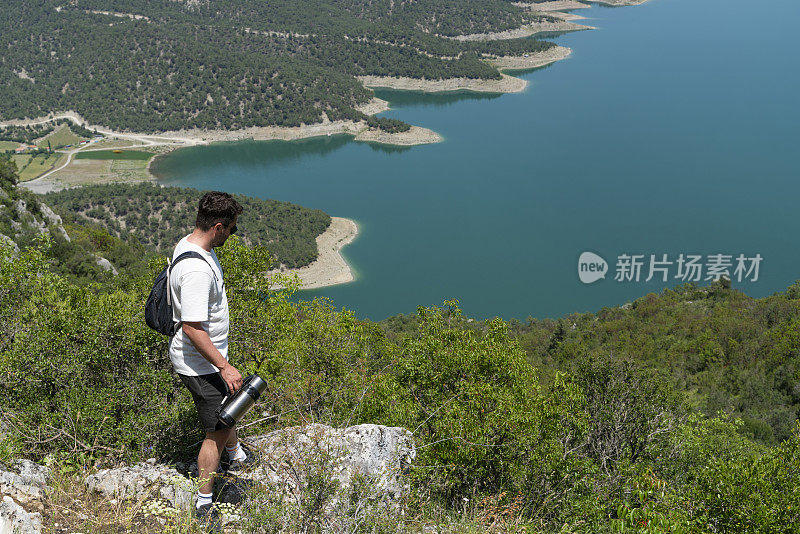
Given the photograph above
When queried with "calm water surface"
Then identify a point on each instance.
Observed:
(672, 129)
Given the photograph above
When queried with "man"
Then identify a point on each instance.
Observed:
(199, 350)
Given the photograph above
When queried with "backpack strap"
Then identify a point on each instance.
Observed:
(181, 257)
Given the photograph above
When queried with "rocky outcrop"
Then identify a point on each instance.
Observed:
(14, 519)
(105, 265)
(23, 218)
(54, 220)
(10, 242)
(371, 457)
(377, 454)
(23, 491)
(26, 483)
(147, 480)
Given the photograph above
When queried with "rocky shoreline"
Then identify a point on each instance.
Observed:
(330, 267)
(618, 3)
(507, 84)
(524, 31)
(554, 5)
(359, 131)
(534, 61)
(180, 138)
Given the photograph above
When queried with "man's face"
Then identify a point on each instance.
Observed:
(222, 232)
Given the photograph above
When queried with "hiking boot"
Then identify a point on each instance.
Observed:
(208, 517)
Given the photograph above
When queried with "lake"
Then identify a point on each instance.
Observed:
(671, 130)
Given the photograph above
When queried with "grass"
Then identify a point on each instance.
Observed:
(82, 171)
(39, 165)
(62, 136)
(102, 171)
(116, 143)
(130, 170)
(115, 154)
(21, 160)
(8, 145)
(70, 506)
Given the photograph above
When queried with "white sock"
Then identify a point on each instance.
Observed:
(203, 499)
(236, 453)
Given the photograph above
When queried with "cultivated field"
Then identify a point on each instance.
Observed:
(136, 155)
(62, 136)
(21, 160)
(8, 145)
(102, 171)
(38, 165)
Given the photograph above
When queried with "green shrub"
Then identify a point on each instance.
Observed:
(83, 372)
(471, 401)
(730, 485)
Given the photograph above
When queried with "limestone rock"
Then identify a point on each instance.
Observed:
(25, 216)
(26, 483)
(143, 481)
(50, 215)
(10, 242)
(377, 454)
(22, 489)
(54, 221)
(370, 458)
(15, 520)
(105, 265)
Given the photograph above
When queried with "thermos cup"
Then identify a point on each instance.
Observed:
(234, 407)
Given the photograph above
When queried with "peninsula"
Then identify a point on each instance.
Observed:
(299, 75)
(330, 268)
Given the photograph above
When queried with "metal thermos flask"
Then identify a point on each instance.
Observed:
(234, 407)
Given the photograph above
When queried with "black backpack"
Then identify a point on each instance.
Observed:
(158, 308)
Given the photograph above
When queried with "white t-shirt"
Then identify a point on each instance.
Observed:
(197, 295)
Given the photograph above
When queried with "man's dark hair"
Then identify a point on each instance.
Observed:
(216, 207)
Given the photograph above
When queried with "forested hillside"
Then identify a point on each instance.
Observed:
(104, 230)
(724, 351)
(166, 65)
(28, 134)
(158, 217)
(82, 253)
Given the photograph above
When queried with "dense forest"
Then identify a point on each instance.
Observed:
(588, 423)
(166, 65)
(25, 134)
(722, 350)
(28, 134)
(158, 217)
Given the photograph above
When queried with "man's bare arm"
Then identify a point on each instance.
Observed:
(202, 342)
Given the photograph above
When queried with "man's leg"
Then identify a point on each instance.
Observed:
(208, 458)
(233, 440)
(235, 451)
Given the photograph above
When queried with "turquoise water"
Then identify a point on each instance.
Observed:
(672, 129)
